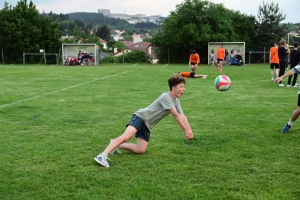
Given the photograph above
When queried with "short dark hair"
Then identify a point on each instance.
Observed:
(193, 51)
(175, 80)
(296, 44)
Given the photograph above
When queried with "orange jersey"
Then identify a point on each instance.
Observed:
(274, 55)
(221, 53)
(195, 58)
(186, 74)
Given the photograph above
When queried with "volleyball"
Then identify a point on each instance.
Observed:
(222, 83)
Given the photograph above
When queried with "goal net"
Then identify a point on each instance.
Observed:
(292, 38)
(40, 56)
(235, 46)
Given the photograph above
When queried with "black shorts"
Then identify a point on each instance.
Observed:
(192, 74)
(219, 60)
(192, 63)
(298, 100)
(142, 130)
(274, 65)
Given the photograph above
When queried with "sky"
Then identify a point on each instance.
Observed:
(155, 7)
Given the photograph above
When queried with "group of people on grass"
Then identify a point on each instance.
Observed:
(279, 61)
(80, 60)
(231, 58)
(144, 119)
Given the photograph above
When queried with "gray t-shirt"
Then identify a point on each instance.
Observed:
(297, 71)
(159, 109)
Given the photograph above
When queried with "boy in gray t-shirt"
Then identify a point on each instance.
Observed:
(145, 119)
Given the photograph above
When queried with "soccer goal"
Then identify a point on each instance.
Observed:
(229, 46)
(43, 55)
(292, 38)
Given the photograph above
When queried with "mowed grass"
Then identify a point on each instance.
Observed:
(56, 119)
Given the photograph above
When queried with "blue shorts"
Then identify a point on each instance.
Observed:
(142, 130)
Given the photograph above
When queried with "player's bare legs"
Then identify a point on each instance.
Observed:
(127, 135)
(221, 65)
(217, 68)
(138, 148)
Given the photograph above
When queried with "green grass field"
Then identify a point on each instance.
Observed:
(56, 119)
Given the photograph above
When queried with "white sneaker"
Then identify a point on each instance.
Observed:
(272, 79)
(204, 76)
(102, 159)
(281, 85)
(295, 86)
(117, 149)
(288, 85)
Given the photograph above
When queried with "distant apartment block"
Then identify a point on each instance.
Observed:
(105, 12)
(132, 19)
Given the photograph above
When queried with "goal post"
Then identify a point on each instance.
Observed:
(43, 54)
(292, 38)
(229, 46)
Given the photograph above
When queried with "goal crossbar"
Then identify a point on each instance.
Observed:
(43, 54)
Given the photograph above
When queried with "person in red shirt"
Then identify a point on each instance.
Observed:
(274, 60)
(194, 60)
(220, 57)
(191, 75)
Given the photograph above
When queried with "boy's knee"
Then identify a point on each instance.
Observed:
(141, 151)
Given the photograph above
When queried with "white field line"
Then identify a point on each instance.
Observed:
(73, 86)
(165, 65)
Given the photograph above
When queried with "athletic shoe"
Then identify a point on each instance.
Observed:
(288, 86)
(272, 79)
(116, 149)
(285, 129)
(296, 86)
(281, 85)
(204, 76)
(102, 159)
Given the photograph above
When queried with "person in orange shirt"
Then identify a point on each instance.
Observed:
(191, 75)
(274, 60)
(220, 57)
(194, 60)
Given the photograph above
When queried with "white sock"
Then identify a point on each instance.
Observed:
(290, 122)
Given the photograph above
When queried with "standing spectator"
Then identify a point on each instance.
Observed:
(283, 51)
(296, 112)
(212, 57)
(294, 60)
(194, 60)
(274, 61)
(220, 57)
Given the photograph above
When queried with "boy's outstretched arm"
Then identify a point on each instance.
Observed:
(183, 123)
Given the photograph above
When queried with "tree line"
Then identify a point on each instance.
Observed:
(191, 25)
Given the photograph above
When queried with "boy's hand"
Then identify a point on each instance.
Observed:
(277, 80)
(188, 135)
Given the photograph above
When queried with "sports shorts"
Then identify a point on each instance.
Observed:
(141, 129)
(274, 65)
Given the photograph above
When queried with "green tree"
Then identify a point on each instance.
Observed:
(25, 30)
(192, 25)
(110, 44)
(268, 24)
(120, 46)
(103, 32)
